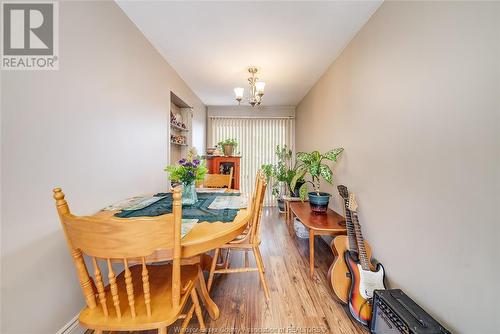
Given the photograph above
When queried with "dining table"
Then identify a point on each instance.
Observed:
(201, 239)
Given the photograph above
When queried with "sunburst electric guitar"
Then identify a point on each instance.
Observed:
(363, 280)
(338, 274)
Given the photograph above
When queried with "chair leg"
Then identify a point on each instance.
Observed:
(188, 317)
(162, 330)
(212, 269)
(260, 259)
(226, 262)
(197, 308)
(246, 258)
(260, 266)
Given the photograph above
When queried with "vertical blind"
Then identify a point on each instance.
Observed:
(257, 140)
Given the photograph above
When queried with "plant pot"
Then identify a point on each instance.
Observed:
(295, 192)
(281, 205)
(228, 149)
(319, 201)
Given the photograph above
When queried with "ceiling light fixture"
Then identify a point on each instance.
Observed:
(256, 89)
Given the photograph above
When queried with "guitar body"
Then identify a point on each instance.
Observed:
(363, 283)
(339, 275)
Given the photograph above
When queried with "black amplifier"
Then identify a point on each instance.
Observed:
(395, 312)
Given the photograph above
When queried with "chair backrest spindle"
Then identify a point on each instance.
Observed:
(100, 286)
(130, 287)
(114, 289)
(145, 286)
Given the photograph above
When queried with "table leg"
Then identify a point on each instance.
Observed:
(211, 307)
(311, 253)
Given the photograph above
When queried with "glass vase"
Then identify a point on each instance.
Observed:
(189, 196)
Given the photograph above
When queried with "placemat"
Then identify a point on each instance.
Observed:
(229, 202)
(199, 210)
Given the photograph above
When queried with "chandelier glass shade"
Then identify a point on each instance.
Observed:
(256, 89)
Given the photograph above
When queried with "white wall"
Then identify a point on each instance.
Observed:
(98, 128)
(414, 99)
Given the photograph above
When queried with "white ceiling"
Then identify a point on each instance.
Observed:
(210, 44)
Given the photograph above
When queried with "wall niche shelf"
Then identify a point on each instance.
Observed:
(181, 114)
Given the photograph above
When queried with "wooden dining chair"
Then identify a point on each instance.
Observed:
(249, 240)
(142, 296)
(218, 180)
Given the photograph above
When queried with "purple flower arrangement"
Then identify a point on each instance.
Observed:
(188, 170)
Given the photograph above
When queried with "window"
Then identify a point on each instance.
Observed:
(257, 141)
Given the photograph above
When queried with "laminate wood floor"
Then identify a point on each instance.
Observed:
(298, 303)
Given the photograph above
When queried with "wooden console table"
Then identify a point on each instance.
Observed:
(329, 223)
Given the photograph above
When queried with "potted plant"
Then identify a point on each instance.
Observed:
(314, 165)
(228, 146)
(282, 174)
(188, 171)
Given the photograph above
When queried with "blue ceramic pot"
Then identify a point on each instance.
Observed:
(319, 201)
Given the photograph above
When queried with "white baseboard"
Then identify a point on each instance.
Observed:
(72, 327)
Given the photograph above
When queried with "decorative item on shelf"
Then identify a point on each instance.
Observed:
(256, 89)
(210, 150)
(188, 171)
(176, 121)
(178, 139)
(217, 151)
(282, 174)
(228, 146)
(313, 164)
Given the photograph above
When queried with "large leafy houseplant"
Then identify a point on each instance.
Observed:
(314, 165)
(281, 172)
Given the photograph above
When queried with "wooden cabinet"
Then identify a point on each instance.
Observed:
(222, 165)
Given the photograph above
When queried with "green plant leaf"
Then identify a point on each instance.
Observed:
(299, 175)
(304, 157)
(332, 155)
(326, 173)
(316, 156)
(303, 191)
(314, 169)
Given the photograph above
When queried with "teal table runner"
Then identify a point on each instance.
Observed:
(199, 210)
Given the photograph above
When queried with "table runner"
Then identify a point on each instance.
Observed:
(199, 210)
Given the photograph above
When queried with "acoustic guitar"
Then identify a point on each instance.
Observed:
(363, 280)
(338, 274)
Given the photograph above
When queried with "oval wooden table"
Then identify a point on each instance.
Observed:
(203, 237)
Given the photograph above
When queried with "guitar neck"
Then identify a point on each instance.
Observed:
(363, 258)
(351, 233)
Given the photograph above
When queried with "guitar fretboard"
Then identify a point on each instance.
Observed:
(363, 257)
(351, 233)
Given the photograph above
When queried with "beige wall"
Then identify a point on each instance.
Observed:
(415, 101)
(98, 127)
